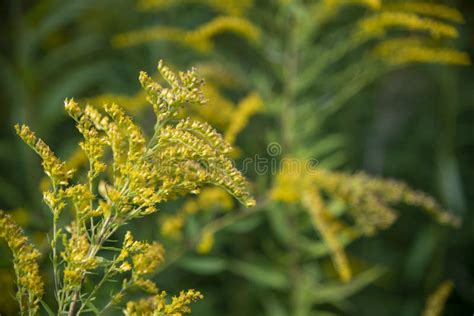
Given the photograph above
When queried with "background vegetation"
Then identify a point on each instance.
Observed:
(410, 121)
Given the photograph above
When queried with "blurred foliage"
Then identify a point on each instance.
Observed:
(343, 82)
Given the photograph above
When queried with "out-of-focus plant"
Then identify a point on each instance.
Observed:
(435, 303)
(129, 175)
(366, 199)
(47, 56)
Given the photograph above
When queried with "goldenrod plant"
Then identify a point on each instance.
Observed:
(368, 201)
(229, 117)
(128, 177)
(28, 279)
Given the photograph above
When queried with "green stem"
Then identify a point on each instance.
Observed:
(110, 303)
(96, 288)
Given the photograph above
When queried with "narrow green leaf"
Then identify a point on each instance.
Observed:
(203, 265)
(261, 273)
(334, 292)
(47, 308)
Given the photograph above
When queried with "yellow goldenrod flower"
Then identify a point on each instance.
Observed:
(246, 108)
(171, 226)
(214, 197)
(146, 285)
(158, 304)
(140, 258)
(200, 39)
(93, 144)
(286, 188)
(148, 258)
(290, 181)
(54, 200)
(82, 199)
(323, 223)
(206, 243)
(145, 259)
(435, 303)
(411, 50)
(191, 206)
(180, 304)
(125, 125)
(130, 103)
(429, 9)
(218, 75)
(53, 167)
(376, 25)
(78, 257)
(29, 283)
(369, 198)
(151, 34)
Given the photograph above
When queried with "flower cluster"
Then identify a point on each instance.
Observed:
(200, 38)
(53, 167)
(129, 176)
(369, 202)
(227, 116)
(328, 226)
(377, 25)
(77, 258)
(158, 305)
(429, 9)
(141, 258)
(401, 51)
(28, 279)
(247, 107)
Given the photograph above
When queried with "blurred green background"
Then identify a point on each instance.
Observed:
(413, 123)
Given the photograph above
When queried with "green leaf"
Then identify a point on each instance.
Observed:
(74, 82)
(93, 308)
(279, 223)
(261, 273)
(274, 306)
(317, 249)
(203, 265)
(47, 308)
(334, 292)
(245, 225)
(8, 192)
(325, 146)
